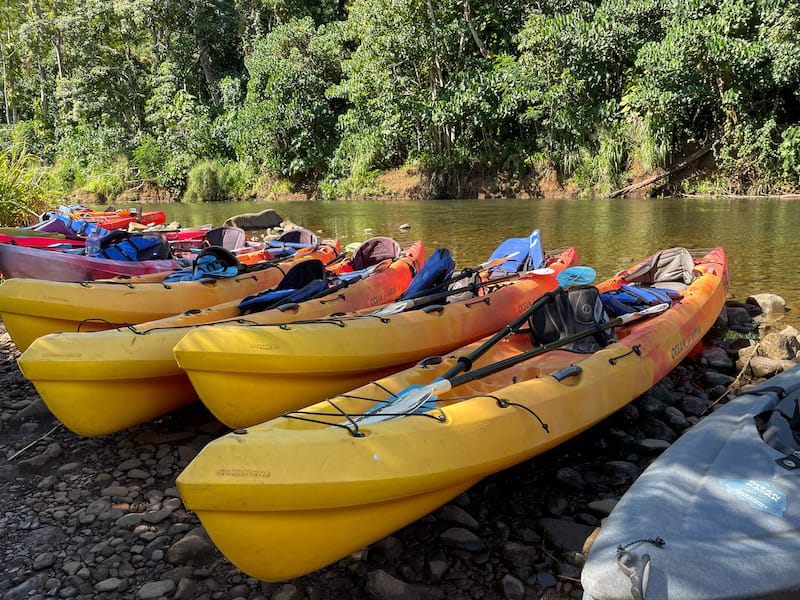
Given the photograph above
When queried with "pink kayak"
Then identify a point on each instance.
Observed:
(39, 263)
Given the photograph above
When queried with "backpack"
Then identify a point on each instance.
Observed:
(673, 268)
(373, 251)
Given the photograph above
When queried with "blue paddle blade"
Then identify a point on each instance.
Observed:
(536, 252)
(412, 400)
(576, 276)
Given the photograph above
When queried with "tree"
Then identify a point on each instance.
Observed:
(287, 123)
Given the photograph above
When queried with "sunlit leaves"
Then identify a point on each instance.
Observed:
(287, 123)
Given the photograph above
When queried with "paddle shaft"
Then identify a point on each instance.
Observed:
(403, 305)
(410, 400)
(465, 362)
(523, 356)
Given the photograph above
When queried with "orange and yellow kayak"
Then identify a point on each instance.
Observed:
(292, 495)
(301, 363)
(31, 308)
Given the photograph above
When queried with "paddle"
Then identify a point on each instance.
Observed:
(279, 244)
(536, 252)
(567, 277)
(413, 398)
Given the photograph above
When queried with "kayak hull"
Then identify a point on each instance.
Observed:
(353, 484)
(54, 265)
(730, 524)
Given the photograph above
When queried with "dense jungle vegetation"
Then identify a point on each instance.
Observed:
(215, 99)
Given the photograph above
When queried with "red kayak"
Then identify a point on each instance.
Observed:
(83, 222)
(121, 219)
(36, 239)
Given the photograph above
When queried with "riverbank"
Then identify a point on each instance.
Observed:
(417, 184)
(101, 517)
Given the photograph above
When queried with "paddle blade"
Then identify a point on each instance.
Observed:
(393, 308)
(413, 399)
(536, 252)
(650, 311)
(496, 262)
(576, 276)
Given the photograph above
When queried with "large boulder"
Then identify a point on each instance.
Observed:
(768, 303)
(266, 219)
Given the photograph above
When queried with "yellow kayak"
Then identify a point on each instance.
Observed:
(292, 495)
(100, 382)
(301, 363)
(31, 308)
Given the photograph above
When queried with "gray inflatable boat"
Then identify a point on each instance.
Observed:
(717, 515)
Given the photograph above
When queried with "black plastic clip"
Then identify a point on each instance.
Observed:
(637, 350)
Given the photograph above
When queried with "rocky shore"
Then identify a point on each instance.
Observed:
(101, 517)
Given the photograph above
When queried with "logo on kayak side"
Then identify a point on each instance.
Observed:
(758, 494)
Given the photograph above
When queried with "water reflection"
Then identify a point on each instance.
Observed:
(758, 234)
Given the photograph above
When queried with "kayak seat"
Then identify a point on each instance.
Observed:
(470, 285)
(230, 238)
(373, 251)
(298, 236)
(571, 311)
(669, 269)
(304, 280)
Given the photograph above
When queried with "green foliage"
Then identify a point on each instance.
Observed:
(206, 183)
(746, 156)
(322, 95)
(789, 153)
(109, 183)
(94, 161)
(149, 157)
(66, 175)
(22, 193)
(601, 172)
(287, 124)
(94, 148)
(216, 181)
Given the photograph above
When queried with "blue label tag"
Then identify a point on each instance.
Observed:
(758, 494)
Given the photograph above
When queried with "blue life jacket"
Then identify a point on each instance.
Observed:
(121, 245)
(433, 274)
(214, 261)
(629, 299)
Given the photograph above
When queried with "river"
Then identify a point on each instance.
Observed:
(760, 235)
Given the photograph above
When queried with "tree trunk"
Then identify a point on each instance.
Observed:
(681, 165)
(478, 42)
(208, 72)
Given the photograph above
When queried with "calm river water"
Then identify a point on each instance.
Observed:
(760, 235)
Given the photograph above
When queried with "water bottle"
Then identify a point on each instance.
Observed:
(92, 247)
